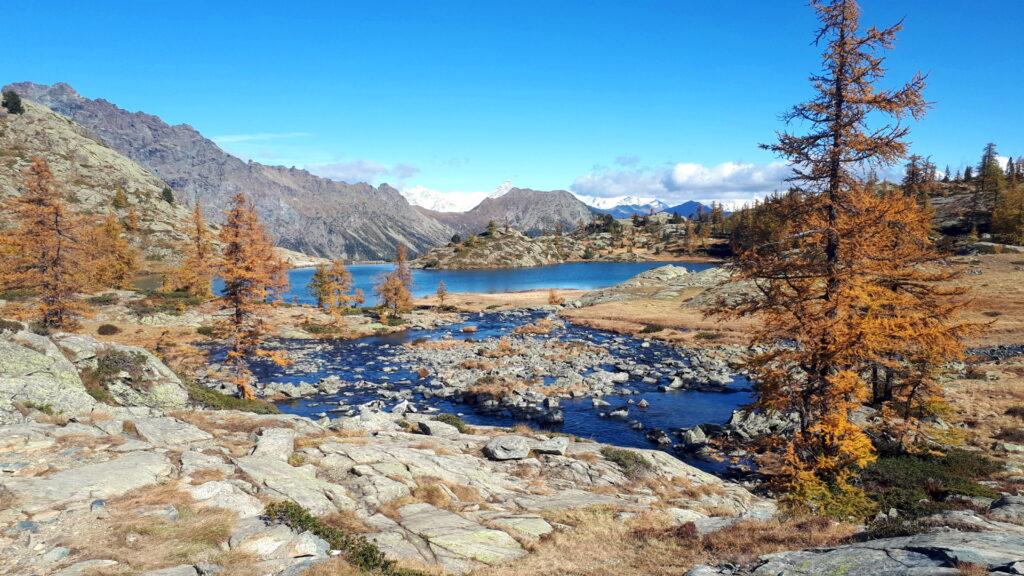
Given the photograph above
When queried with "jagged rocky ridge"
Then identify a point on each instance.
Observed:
(306, 213)
(532, 212)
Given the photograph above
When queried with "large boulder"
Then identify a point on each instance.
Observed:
(33, 371)
(507, 448)
(135, 376)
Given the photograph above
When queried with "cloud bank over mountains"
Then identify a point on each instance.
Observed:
(731, 183)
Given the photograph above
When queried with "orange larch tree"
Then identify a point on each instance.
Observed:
(252, 273)
(43, 249)
(198, 266)
(332, 286)
(848, 280)
(116, 260)
(395, 290)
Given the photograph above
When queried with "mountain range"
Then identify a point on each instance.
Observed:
(308, 213)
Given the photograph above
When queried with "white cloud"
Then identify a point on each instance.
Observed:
(730, 183)
(258, 137)
(365, 171)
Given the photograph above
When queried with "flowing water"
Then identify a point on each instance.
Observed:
(372, 374)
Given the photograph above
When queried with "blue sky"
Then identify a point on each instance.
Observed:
(665, 98)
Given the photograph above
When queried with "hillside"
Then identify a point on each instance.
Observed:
(305, 213)
(532, 212)
(655, 238)
(90, 173)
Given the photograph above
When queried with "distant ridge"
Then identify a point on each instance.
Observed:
(306, 213)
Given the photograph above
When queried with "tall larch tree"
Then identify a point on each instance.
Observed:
(844, 281)
(989, 185)
(116, 260)
(198, 266)
(44, 248)
(252, 274)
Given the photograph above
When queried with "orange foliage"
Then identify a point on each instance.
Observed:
(117, 260)
(44, 249)
(252, 273)
(331, 284)
(195, 274)
(394, 289)
(848, 279)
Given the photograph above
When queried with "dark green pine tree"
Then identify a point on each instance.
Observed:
(12, 102)
(989, 185)
(945, 174)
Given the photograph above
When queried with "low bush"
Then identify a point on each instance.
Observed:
(16, 295)
(1013, 435)
(207, 331)
(453, 420)
(1015, 411)
(887, 527)
(217, 401)
(102, 300)
(321, 329)
(632, 464)
(917, 485)
(650, 329)
(707, 336)
(11, 326)
(356, 550)
(107, 330)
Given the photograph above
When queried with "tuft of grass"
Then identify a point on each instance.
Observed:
(44, 408)
(217, 401)
(632, 464)
(453, 420)
(102, 300)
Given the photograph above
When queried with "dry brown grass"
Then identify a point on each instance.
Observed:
(503, 348)
(215, 421)
(478, 364)
(542, 326)
(599, 544)
(207, 475)
(141, 536)
(443, 494)
(445, 344)
(347, 521)
(971, 569)
(89, 441)
(333, 567)
(435, 448)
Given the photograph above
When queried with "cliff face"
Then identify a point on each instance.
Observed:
(305, 213)
(533, 212)
(91, 173)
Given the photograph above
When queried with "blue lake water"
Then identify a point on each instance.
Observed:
(570, 276)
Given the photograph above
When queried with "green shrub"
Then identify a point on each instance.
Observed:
(651, 329)
(356, 550)
(205, 331)
(632, 464)
(453, 420)
(102, 300)
(167, 195)
(917, 485)
(11, 326)
(12, 102)
(217, 401)
(321, 329)
(44, 408)
(157, 302)
(16, 295)
(107, 330)
(707, 336)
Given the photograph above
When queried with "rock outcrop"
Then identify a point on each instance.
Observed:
(90, 174)
(502, 248)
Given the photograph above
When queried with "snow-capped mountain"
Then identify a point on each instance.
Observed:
(451, 201)
(625, 206)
